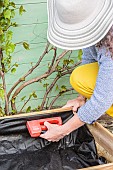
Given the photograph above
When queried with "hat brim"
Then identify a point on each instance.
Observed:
(75, 36)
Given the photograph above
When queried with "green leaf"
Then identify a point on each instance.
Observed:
(2, 39)
(2, 94)
(38, 108)
(30, 95)
(59, 74)
(9, 35)
(28, 109)
(13, 70)
(65, 62)
(23, 98)
(58, 68)
(21, 10)
(1, 112)
(12, 4)
(13, 111)
(34, 95)
(57, 88)
(10, 47)
(1, 4)
(1, 31)
(13, 100)
(80, 54)
(6, 3)
(16, 64)
(26, 45)
(14, 24)
(71, 61)
(45, 85)
(7, 14)
(63, 88)
(12, 13)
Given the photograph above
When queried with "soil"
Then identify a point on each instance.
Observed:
(107, 122)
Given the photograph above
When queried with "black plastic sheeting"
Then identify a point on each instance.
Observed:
(18, 151)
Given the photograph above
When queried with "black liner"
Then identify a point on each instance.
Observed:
(18, 151)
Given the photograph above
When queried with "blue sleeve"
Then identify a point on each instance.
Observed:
(102, 98)
(87, 56)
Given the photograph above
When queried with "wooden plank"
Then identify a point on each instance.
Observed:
(102, 152)
(40, 112)
(102, 136)
(100, 167)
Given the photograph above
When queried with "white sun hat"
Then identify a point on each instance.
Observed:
(77, 24)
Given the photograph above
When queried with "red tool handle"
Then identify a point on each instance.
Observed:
(35, 127)
(54, 120)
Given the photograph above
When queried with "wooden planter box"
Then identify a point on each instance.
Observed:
(103, 138)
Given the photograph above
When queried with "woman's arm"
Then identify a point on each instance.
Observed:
(87, 56)
(102, 98)
(55, 132)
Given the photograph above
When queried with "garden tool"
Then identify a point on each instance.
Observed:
(36, 127)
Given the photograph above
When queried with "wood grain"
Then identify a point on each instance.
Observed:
(40, 112)
(102, 136)
(100, 167)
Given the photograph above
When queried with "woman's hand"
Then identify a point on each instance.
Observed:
(76, 103)
(54, 132)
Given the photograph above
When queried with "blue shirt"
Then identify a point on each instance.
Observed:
(102, 98)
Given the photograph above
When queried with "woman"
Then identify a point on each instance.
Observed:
(87, 25)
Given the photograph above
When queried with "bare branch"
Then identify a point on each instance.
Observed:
(1, 58)
(45, 75)
(10, 67)
(54, 100)
(2, 73)
(48, 90)
(64, 72)
(71, 68)
(59, 58)
(25, 104)
(30, 71)
(53, 60)
(18, 90)
(70, 54)
(5, 95)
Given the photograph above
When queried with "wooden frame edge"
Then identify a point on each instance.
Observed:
(39, 112)
(102, 136)
(100, 167)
